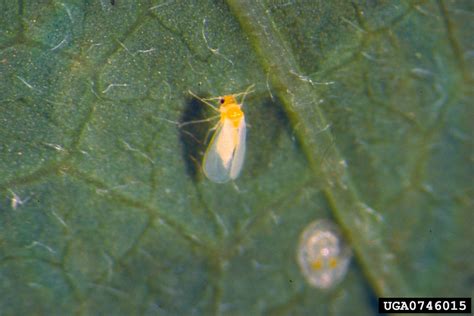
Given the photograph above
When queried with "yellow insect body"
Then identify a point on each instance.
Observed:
(224, 156)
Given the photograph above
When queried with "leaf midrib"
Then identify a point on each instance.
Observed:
(301, 106)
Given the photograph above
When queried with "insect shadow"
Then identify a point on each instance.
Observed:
(194, 135)
(268, 123)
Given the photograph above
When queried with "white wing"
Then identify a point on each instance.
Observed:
(224, 156)
(239, 153)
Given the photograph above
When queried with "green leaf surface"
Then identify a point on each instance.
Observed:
(362, 113)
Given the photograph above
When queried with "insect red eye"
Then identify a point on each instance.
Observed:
(221, 100)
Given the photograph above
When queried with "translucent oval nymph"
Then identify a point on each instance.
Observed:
(225, 153)
(323, 255)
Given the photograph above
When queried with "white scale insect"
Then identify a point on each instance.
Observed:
(322, 254)
(225, 154)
